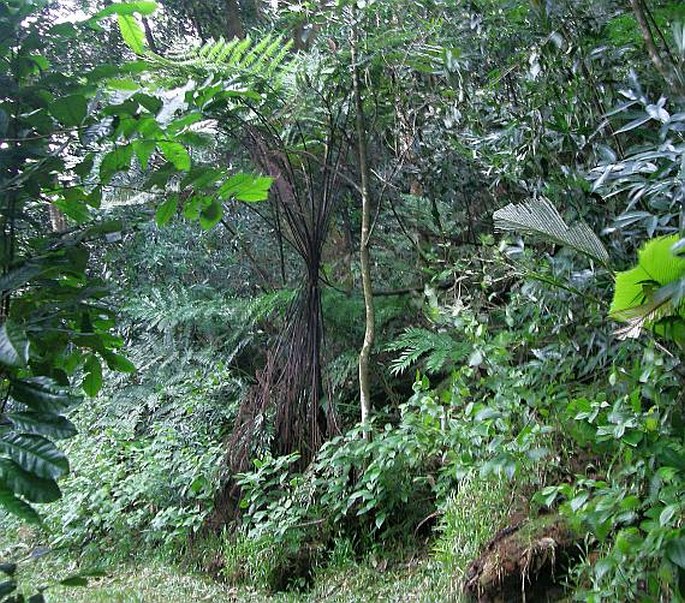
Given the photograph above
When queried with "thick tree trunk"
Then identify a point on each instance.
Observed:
(364, 254)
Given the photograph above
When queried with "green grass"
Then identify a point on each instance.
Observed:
(151, 581)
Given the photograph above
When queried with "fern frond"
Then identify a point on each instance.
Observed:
(264, 61)
(540, 217)
(439, 350)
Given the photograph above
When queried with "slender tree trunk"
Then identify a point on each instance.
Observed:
(665, 68)
(364, 255)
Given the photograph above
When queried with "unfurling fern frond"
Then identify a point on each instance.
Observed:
(237, 60)
(540, 217)
(440, 349)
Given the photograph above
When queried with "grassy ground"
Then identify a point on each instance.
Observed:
(432, 575)
(152, 582)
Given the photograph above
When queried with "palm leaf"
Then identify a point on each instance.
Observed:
(540, 217)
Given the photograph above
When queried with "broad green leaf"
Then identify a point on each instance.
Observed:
(41, 394)
(117, 159)
(35, 454)
(14, 347)
(31, 487)
(74, 581)
(127, 8)
(132, 33)
(675, 551)
(9, 569)
(144, 150)
(650, 295)
(76, 209)
(195, 205)
(176, 153)
(200, 177)
(84, 168)
(120, 363)
(21, 275)
(211, 215)
(152, 103)
(17, 507)
(69, 110)
(657, 266)
(166, 211)
(46, 424)
(246, 187)
(92, 382)
(7, 587)
(183, 122)
(123, 84)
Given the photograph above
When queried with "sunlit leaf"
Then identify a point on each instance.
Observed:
(132, 33)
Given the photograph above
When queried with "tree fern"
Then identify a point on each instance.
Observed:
(439, 350)
(540, 217)
(235, 60)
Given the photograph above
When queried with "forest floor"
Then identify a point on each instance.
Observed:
(154, 581)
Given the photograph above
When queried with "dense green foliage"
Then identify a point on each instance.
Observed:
(181, 218)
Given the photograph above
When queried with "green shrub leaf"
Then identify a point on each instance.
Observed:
(17, 507)
(46, 424)
(675, 551)
(31, 487)
(41, 394)
(14, 347)
(132, 33)
(69, 110)
(176, 153)
(92, 382)
(35, 454)
(166, 211)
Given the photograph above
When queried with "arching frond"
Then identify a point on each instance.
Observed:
(540, 217)
(238, 60)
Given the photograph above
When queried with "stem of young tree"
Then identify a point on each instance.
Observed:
(664, 68)
(364, 255)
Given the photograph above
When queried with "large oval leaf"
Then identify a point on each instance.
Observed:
(46, 424)
(35, 454)
(41, 394)
(31, 487)
(17, 507)
(14, 347)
